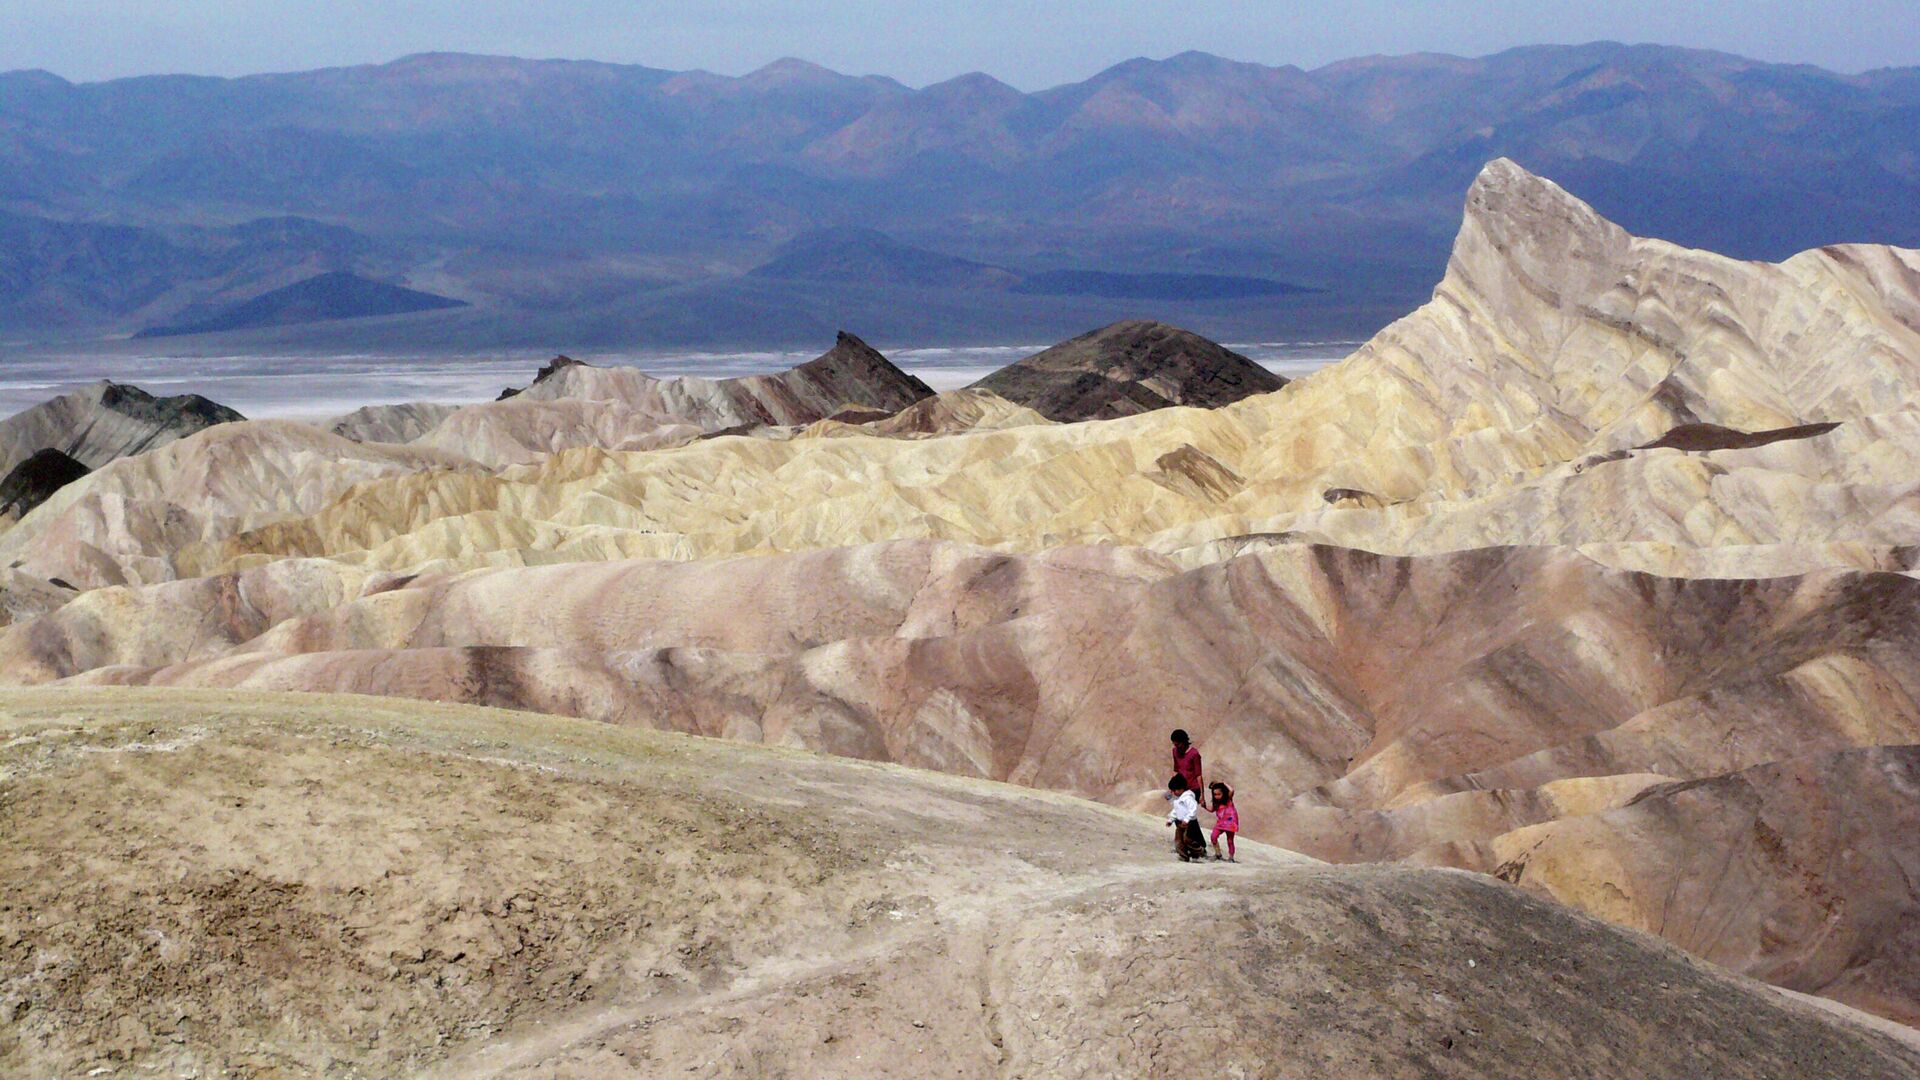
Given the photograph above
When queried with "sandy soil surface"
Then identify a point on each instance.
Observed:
(218, 883)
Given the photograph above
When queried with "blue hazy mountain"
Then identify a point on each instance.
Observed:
(321, 298)
(617, 203)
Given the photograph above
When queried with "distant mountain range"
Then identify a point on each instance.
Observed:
(582, 204)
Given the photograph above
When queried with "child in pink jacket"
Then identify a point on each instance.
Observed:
(1226, 819)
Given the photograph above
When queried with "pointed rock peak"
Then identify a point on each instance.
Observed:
(849, 352)
(1506, 199)
(1525, 227)
(789, 70)
(1506, 179)
(973, 85)
(553, 367)
(556, 365)
(854, 361)
(189, 411)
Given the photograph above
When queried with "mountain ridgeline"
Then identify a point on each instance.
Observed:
(589, 204)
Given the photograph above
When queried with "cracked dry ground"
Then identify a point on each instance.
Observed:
(300, 884)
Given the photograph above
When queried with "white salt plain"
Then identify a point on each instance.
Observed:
(309, 386)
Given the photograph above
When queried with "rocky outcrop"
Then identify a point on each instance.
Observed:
(546, 372)
(35, 480)
(1555, 334)
(105, 421)
(850, 373)
(1714, 437)
(1127, 368)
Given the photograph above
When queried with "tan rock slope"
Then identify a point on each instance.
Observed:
(297, 885)
(390, 423)
(851, 373)
(143, 518)
(1701, 864)
(952, 412)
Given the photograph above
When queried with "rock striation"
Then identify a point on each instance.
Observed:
(1432, 709)
(1796, 871)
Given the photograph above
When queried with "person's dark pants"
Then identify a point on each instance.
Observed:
(1188, 843)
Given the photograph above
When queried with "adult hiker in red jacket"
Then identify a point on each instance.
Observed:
(1186, 764)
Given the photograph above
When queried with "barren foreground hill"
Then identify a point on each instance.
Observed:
(295, 884)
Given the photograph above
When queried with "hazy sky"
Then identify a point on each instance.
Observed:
(1030, 45)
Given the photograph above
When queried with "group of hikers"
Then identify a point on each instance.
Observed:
(1188, 791)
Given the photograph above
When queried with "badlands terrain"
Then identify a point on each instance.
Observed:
(1591, 577)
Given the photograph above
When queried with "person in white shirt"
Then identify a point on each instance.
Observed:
(1184, 818)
